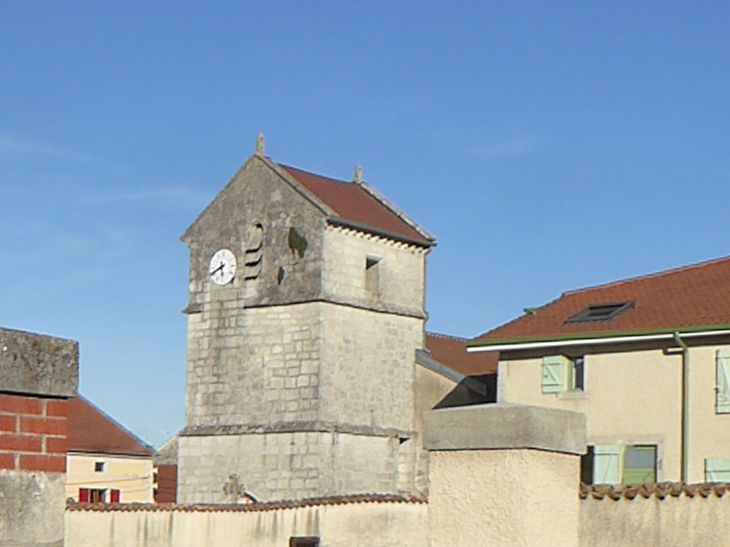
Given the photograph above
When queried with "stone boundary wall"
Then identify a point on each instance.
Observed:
(372, 521)
(654, 515)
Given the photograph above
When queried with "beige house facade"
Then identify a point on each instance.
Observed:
(105, 463)
(647, 360)
(109, 478)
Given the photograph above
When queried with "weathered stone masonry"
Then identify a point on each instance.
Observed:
(300, 371)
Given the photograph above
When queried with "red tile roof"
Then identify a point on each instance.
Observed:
(351, 201)
(691, 296)
(451, 351)
(91, 430)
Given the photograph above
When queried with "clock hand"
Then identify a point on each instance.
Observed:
(219, 268)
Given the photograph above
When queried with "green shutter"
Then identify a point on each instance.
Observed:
(553, 374)
(722, 388)
(639, 465)
(605, 466)
(717, 470)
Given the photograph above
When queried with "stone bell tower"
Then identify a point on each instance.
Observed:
(306, 305)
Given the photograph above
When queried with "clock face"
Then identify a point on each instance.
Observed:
(222, 267)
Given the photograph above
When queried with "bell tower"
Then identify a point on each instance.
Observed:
(305, 308)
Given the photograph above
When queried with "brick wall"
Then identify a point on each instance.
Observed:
(33, 433)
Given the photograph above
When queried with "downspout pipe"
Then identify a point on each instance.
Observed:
(685, 408)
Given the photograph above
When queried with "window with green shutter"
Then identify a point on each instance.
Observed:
(639, 464)
(722, 382)
(717, 470)
(577, 374)
(553, 373)
(606, 464)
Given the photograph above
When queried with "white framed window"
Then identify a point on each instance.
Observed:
(717, 470)
(614, 464)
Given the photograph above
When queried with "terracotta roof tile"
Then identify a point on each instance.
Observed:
(352, 202)
(690, 296)
(247, 507)
(451, 351)
(91, 430)
(660, 491)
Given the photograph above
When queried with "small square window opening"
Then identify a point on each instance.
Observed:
(98, 467)
(578, 374)
(97, 495)
(372, 274)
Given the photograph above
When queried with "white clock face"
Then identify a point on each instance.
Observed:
(222, 267)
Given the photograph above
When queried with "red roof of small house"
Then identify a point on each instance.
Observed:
(351, 201)
(686, 299)
(451, 351)
(91, 430)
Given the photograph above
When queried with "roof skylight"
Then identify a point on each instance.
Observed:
(600, 312)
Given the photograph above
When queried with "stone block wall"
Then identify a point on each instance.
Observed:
(292, 465)
(272, 376)
(401, 269)
(253, 365)
(367, 372)
(257, 195)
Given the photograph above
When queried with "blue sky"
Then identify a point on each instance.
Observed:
(547, 146)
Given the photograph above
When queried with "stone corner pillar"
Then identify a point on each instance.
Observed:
(503, 474)
(38, 374)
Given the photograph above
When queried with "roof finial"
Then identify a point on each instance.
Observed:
(357, 178)
(259, 145)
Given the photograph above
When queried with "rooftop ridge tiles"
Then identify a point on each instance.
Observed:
(652, 275)
(519, 317)
(408, 227)
(311, 173)
(446, 336)
(246, 507)
(659, 490)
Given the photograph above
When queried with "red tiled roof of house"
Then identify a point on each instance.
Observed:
(91, 430)
(352, 202)
(451, 351)
(690, 296)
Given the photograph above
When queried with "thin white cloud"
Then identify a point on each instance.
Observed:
(18, 146)
(169, 195)
(509, 147)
